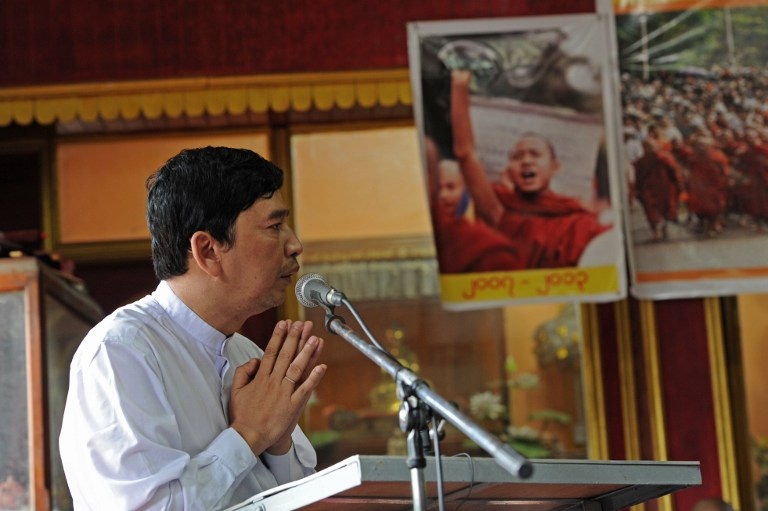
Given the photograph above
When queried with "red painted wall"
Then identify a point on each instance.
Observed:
(55, 41)
(610, 364)
(687, 389)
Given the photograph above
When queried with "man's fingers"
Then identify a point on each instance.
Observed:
(288, 349)
(305, 360)
(313, 379)
(303, 391)
(291, 353)
(316, 375)
(305, 334)
(314, 357)
(275, 344)
(245, 373)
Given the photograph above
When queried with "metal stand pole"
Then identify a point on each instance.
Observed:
(414, 420)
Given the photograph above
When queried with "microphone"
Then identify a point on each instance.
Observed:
(312, 290)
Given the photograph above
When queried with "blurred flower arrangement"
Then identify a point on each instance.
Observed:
(486, 406)
(488, 409)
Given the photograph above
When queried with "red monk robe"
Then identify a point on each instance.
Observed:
(658, 183)
(708, 183)
(470, 247)
(553, 229)
(751, 191)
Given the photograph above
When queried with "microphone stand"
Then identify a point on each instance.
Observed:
(418, 402)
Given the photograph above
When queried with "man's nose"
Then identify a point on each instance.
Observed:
(294, 247)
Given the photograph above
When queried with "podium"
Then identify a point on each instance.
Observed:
(470, 484)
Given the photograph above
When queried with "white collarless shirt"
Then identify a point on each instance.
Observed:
(145, 423)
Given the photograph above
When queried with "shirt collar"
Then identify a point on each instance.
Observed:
(187, 320)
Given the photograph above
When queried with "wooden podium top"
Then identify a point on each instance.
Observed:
(384, 483)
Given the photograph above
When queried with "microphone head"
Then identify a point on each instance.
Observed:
(302, 293)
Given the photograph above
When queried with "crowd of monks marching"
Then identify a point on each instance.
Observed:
(697, 150)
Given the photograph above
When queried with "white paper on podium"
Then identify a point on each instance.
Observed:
(346, 474)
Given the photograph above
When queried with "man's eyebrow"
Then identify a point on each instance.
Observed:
(279, 214)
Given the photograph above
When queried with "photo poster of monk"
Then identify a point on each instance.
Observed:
(517, 119)
(694, 96)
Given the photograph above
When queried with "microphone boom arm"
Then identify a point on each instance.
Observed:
(508, 458)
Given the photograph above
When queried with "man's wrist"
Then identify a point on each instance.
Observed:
(280, 448)
(254, 440)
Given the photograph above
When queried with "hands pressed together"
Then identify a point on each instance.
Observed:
(269, 395)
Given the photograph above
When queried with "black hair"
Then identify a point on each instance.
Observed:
(203, 189)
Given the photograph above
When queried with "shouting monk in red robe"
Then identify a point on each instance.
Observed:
(551, 230)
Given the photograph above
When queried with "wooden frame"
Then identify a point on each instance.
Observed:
(20, 276)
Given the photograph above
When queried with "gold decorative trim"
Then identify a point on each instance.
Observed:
(655, 390)
(627, 381)
(195, 97)
(594, 397)
(653, 379)
(721, 402)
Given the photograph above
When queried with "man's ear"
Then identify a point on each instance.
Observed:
(206, 253)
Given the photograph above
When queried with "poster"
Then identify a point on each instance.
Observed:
(517, 119)
(694, 107)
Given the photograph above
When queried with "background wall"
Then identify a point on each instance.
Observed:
(49, 41)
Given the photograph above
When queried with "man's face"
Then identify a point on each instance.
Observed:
(531, 165)
(262, 260)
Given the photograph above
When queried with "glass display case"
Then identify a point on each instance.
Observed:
(44, 315)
